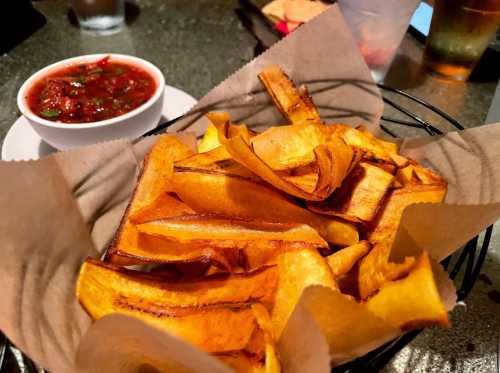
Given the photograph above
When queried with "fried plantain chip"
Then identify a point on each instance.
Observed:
(287, 147)
(333, 160)
(212, 192)
(372, 147)
(350, 329)
(412, 302)
(297, 270)
(131, 247)
(217, 159)
(375, 269)
(210, 140)
(343, 260)
(218, 327)
(360, 196)
(245, 244)
(150, 288)
(296, 106)
(164, 206)
(387, 222)
(158, 167)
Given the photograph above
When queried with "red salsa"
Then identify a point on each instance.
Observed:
(91, 92)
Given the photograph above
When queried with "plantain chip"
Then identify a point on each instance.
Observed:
(210, 140)
(342, 261)
(350, 329)
(245, 244)
(164, 206)
(288, 147)
(297, 270)
(131, 247)
(217, 159)
(295, 105)
(360, 196)
(158, 167)
(412, 302)
(375, 269)
(371, 147)
(333, 160)
(386, 224)
(235, 196)
(222, 325)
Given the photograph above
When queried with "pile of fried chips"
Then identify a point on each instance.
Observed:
(229, 237)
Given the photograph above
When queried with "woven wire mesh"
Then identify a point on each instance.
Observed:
(404, 115)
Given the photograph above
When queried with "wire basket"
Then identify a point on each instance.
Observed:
(404, 115)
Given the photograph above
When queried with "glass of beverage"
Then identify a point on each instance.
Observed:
(378, 27)
(100, 16)
(460, 33)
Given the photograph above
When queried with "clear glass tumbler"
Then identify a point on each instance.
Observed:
(100, 16)
(378, 27)
(460, 33)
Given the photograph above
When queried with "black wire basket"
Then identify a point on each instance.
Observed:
(404, 115)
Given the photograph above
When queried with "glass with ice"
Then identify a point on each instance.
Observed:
(100, 16)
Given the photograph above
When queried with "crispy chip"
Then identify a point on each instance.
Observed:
(412, 302)
(287, 147)
(164, 206)
(372, 147)
(245, 244)
(295, 105)
(209, 141)
(130, 247)
(343, 260)
(218, 327)
(158, 166)
(375, 269)
(349, 328)
(333, 160)
(386, 225)
(239, 197)
(360, 196)
(297, 270)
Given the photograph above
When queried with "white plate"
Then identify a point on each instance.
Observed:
(23, 143)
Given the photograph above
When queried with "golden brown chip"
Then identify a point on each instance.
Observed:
(343, 260)
(158, 167)
(212, 192)
(164, 206)
(209, 141)
(213, 328)
(303, 10)
(131, 247)
(350, 329)
(375, 269)
(297, 270)
(386, 224)
(288, 147)
(333, 160)
(360, 196)
(412, 302)
(371, 147)
(296, 106)
(245, 244)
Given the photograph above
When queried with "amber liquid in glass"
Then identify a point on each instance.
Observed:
(460, 33)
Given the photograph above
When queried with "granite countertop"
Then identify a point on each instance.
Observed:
(199, 43)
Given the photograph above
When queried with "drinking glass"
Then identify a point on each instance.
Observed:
(460, 33)
(100, 16)
(378, 27)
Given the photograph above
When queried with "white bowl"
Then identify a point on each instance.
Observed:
(129, 125)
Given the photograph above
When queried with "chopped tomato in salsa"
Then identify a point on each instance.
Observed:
(91, 92)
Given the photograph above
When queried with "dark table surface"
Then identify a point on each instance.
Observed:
(197, 44)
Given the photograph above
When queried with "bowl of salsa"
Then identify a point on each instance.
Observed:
(94, 98)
